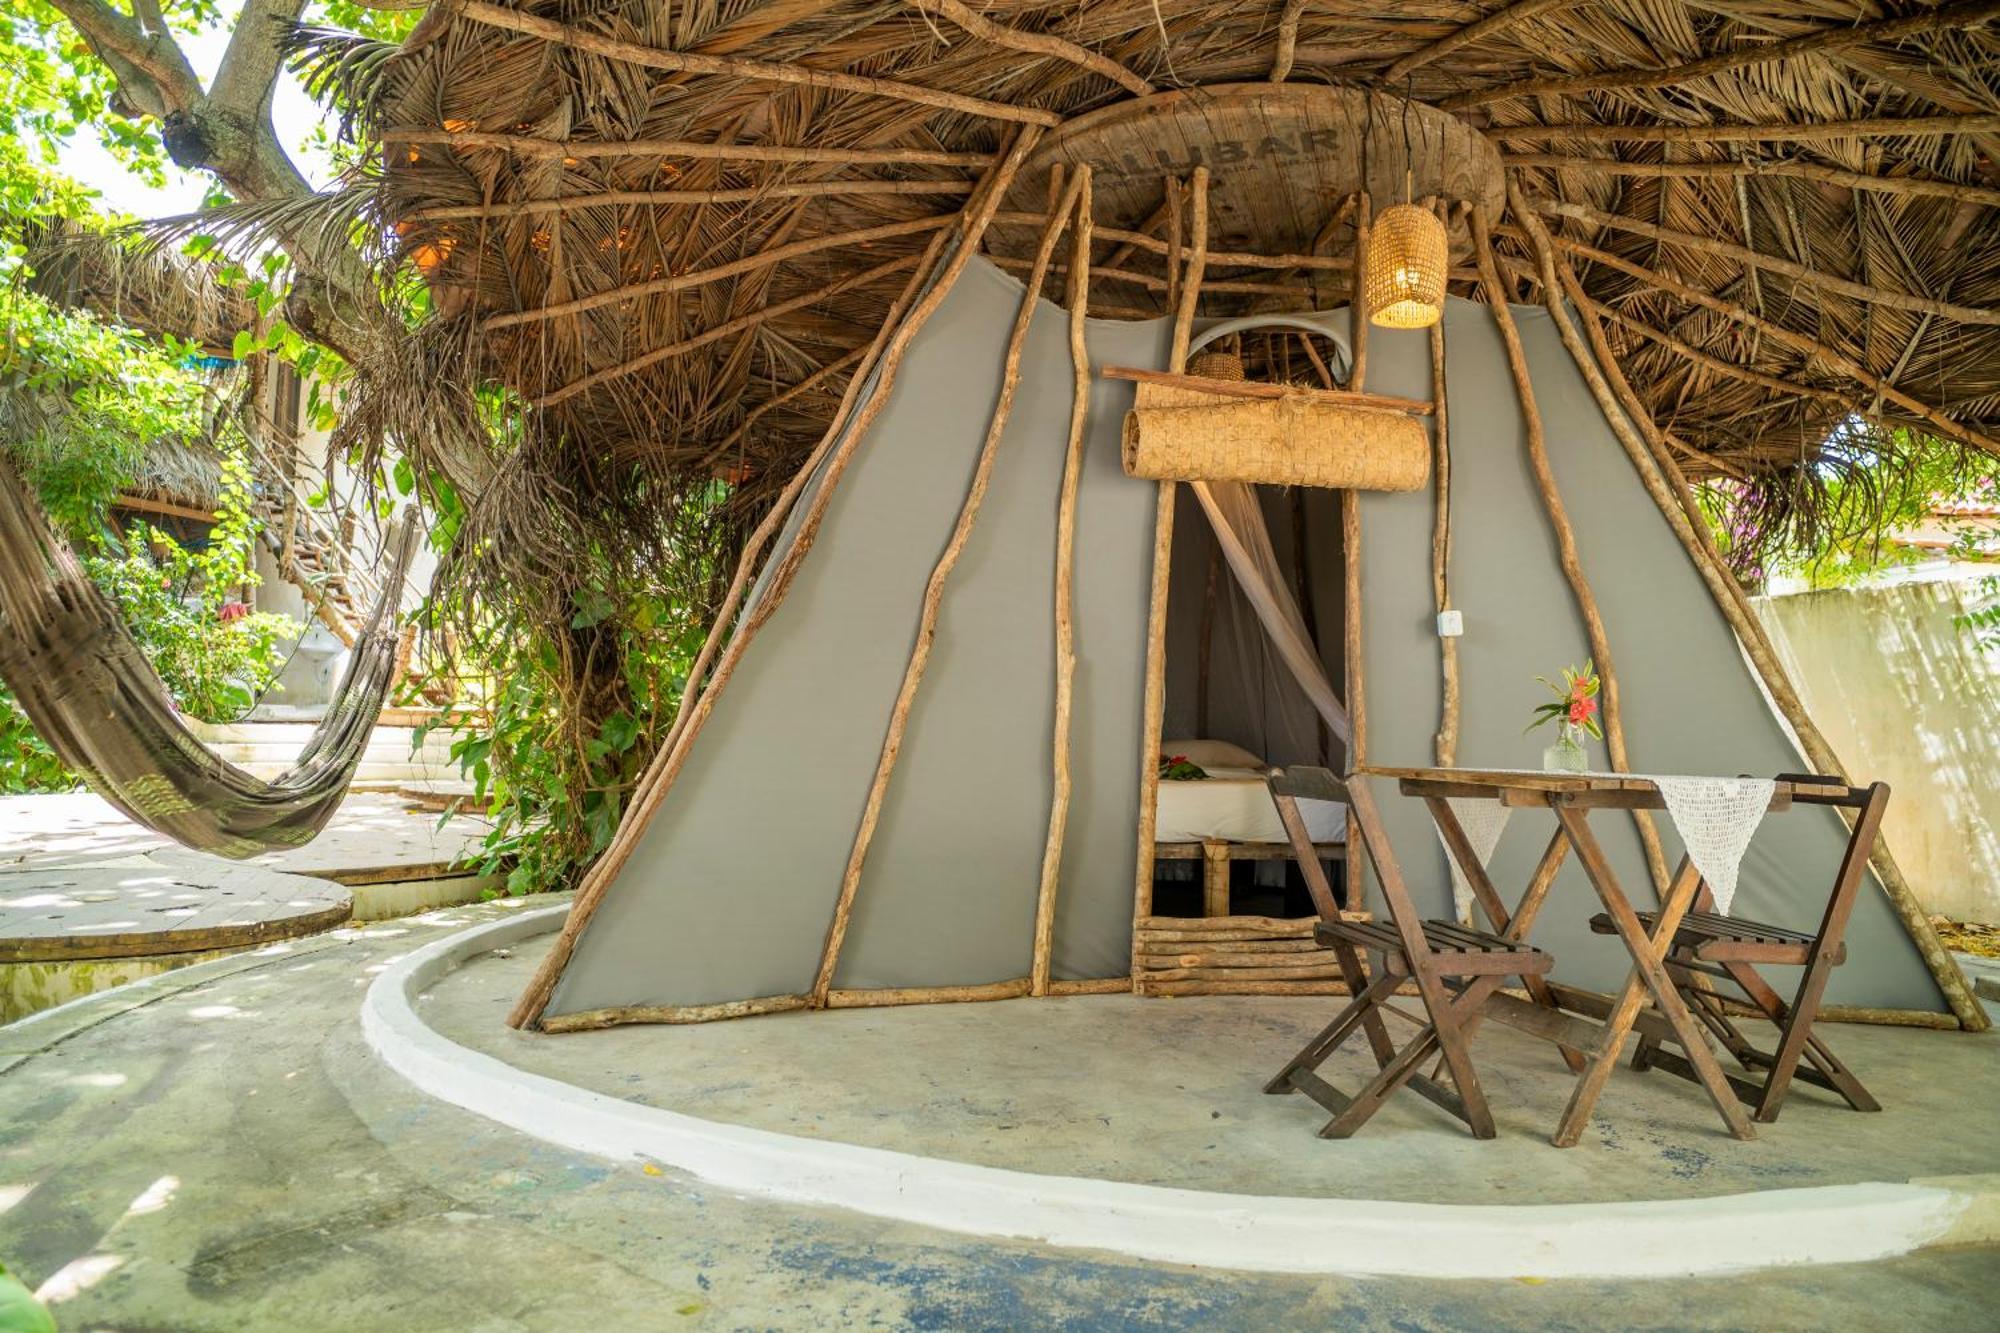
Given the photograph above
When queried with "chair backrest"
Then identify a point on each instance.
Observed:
(1388, 874)
(1818, 789)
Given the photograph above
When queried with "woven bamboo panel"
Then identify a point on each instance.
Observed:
(1290, 441)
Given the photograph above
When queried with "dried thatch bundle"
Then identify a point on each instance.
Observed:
(672, 230)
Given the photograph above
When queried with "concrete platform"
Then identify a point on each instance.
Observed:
(1166, 1092)
(90, 900)
(913, 1119)
(219, 1150)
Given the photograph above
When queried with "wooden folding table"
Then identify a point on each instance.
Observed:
(1590, 1030)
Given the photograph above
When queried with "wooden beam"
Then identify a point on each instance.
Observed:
(1259, 389)
(1832, 38)
(835, 451)
(1445, 743)
(1498, 21)
(751, 320)
(1288, 40)
(1568, 557)
(748, 264)
(764, 71)
(1188, 270)
(1858, 291)
(749, 194)
(1036, 43)
(1909, 127)
(1065, 664)
(526, 145)
(1799, 342)
(1637, 434)
(1812, 171)
(144, 505)
(933, 603)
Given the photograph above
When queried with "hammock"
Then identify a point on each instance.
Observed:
(96, 700)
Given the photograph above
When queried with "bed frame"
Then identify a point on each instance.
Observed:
(1219, 954)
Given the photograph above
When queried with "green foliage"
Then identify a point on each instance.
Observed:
(1830, 522)
(20, 1312)
(553, 781)
(26, 761)
(184, 607)
(1981, 620)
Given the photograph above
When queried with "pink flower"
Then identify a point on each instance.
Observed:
(233, 611)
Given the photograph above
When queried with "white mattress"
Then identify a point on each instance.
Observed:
(1233, 804)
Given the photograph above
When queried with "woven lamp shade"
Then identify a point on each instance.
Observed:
(1408, 256)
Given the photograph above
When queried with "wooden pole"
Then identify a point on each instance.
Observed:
(723, 330)
(1837, 37)
(524, 145)
(1072, 480)
(1860, 291)
(1783, 132)
(1567, 554)
(1660, 475)
(765, 71)
(838, 446)
(1479, 30)
(1797, 341)
(1036, 43)
(1445, 746)
(933, 604)
(1288, 40)
(1357, 310)
(748, 264)
(574, 203)
(1811, 171)
(1189, 277)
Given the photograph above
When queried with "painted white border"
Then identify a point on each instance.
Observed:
(1663, 1238)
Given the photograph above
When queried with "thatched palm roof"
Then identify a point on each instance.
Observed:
(674, 227)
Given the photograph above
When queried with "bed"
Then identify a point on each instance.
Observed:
(1232, 804)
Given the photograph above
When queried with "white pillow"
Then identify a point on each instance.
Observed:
(1211, 754)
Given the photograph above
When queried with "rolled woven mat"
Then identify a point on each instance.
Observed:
(1217, 366)
(1291, 441)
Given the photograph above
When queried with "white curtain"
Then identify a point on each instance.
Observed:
(1238, 520)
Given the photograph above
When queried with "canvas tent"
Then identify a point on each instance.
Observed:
(724, 903)
(759, 244)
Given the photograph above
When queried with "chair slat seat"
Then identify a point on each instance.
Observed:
(1714, 937)
(1455, 950)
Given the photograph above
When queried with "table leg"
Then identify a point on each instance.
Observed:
(1517, 925)
(1648, 977)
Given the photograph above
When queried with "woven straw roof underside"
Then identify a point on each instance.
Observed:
(1896, 220)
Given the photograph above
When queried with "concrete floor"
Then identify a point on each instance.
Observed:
(217, 1150)
(371, 830)
(1167, 1092)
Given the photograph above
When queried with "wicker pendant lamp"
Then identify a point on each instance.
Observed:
(1408, 254)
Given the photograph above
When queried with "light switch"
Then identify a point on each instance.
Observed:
(1450, 624)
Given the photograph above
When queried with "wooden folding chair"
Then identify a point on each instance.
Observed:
(1709, 946)
(1453, 968)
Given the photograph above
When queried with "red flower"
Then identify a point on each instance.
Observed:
(233, 611)
(1580, 709)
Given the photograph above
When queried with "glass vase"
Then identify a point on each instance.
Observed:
(1567, 754)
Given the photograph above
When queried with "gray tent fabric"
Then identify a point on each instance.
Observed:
(729, 892)
(731, 887)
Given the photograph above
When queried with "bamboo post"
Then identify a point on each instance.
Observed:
(1072, 479)
(837, 448)
(1446, 743)
(1357, 311)
(1636, 432)
(933, 604)
(1154, 705)
(1566, 549)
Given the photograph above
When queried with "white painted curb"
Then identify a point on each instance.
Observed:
(1665, 1238)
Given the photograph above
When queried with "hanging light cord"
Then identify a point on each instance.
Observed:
(1409, 159)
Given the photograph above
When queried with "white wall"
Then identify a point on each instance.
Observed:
(1906, 697)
